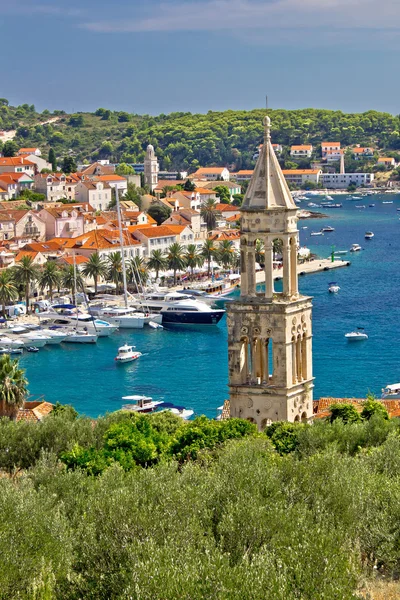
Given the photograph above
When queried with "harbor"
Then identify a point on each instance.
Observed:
(193, 359)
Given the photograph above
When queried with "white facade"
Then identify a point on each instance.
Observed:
(327, 147)
(302, 151)
(341, 181)
(39, 162)
(95, 193)
(301, 176)
(151, 168)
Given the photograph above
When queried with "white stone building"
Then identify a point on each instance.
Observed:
(341, 181)
(301, 151)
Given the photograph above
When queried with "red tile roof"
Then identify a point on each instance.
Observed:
(154, 232)
(16, 161)
(302, 147)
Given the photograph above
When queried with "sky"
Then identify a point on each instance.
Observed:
(161, 56)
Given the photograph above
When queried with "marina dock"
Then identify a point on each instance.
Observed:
(312, 266)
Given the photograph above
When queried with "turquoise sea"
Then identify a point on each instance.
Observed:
(189, 367)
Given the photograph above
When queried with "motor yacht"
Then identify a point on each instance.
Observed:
(191, 312)
(391, 392)
(328, 228)
(356, 336)
(4, 350)
(181, 412)
(68, 317)
(333, 287)
(141, 404)
(118, 316)
(56, 336)
(9, 342)
(317, 233)
(369, 235)
(35, 339)
(355, 248)
(340, 252)
(387, 202)
(127, 354)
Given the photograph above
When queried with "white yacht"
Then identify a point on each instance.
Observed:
(127, 354)
(391, 392)
(56, 336)
(317, 233)
(355, 248)
(124, 318)
(369, 235)
(10, 342)
(143, 404)
(356, 336)
(328, 228)
(36, 339)
(68, 318)
(183, 413)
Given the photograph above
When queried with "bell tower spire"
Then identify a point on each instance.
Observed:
(269, 331)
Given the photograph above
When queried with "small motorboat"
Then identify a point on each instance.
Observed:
(333, 287)
(127, 354)
(80, 337)
(340, 252)
(32, 349)
(355, 248)
(141, 404)
(305, 227)
(328, 228)
(10, 350)
(356, 336)
(391, 392)
(387, 202)
(317, 233)
(154, 325)
(360, 205)
(369, 235)
(371, 205)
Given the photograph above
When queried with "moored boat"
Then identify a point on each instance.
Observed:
(356, 336)
(141, 404)
(333, 287)
(355, 248)
(391, 392)
(369, 235)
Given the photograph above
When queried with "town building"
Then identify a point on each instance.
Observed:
(389, 163)
(114, 181)
(56, 186)
(362, 153)
(301, 176)
(329, 147)
(211, 174)
(244, 175)
(278, 148)
(151, 168)
(301, 151)
(341, 181)
(29, 151)
(269, 333)
(233, 186)
(95, 193)
(15, 183)
(17, 164)
(154, 238)
(333, 155)
(62, 222)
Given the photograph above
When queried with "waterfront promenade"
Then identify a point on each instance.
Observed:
(308, 267)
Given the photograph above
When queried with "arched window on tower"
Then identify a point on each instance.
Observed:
(245, 360)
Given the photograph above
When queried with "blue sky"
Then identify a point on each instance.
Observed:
(154, 56)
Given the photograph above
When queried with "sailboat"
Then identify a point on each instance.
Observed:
(79, 336)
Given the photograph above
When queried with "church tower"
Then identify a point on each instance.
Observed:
(269, 332)
(151, 168)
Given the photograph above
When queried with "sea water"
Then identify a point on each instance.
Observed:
(188, 366)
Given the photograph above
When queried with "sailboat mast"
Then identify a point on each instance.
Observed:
(121, 241)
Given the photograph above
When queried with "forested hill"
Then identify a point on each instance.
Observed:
(185, 140)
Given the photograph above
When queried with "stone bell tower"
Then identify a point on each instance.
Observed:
(151, 168)
(269, 333)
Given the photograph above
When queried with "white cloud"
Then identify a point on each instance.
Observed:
(252, 15)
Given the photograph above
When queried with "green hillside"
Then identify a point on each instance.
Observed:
(185, 140)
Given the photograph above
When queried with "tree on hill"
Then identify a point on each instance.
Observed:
(68, 165)
(124, 169)
(159, 212)
(10, 148)
(52, 159)
(76, 121)
(223, 194)
(189, 186)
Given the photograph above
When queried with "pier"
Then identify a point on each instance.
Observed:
(311, 266)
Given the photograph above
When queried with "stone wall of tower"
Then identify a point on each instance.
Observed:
(270, 360)
(151, 168)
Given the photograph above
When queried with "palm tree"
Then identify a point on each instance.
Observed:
(8, 291)
(114, 272)
(138, 271)
(193, 258)
(209, 213)
(226, 253)
(208, 252)
(95, 267)
(72, 279)
(157, 262)
(260, 253)
(49, 277)
(13, 384)
(175, 258)
(26, 272)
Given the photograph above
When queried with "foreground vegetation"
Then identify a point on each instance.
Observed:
(197, 510)
(187, 141)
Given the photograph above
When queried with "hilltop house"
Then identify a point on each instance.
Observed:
(388, 163)
(360, 153)
(329, 147)
(301, 151)
(28, 151)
